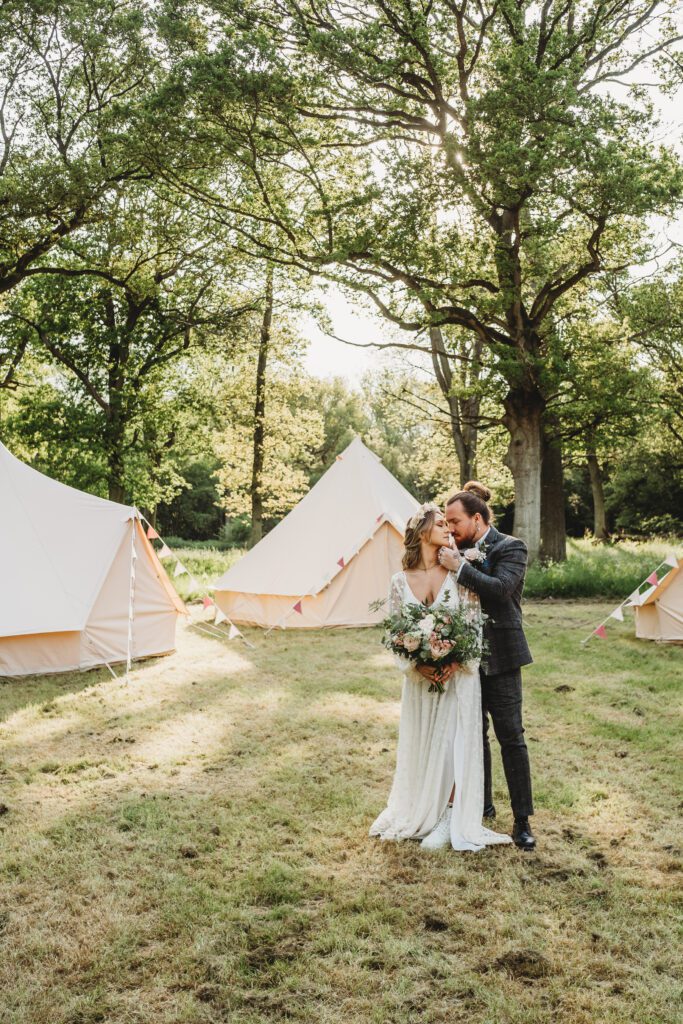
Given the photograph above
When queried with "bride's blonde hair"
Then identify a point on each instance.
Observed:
(418, 525)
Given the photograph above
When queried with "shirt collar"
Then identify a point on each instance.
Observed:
(481, 540)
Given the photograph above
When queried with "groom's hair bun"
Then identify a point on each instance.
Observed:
(474, 497)
(481, 491)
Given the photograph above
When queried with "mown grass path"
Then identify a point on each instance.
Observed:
(191, 846)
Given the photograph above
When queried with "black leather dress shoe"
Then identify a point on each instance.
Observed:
(522, 835)
(489, 811)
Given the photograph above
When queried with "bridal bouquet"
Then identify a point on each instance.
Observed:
(436, 636)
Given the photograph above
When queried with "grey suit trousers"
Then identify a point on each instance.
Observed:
(501, 698)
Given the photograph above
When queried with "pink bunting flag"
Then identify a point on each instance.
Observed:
(380, 516)
(207, 602)
(601, 632)
(340, 563)
(298, 608)
(165, 552)
(653, 578)
(152, 533)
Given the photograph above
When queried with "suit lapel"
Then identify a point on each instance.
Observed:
(493, 537)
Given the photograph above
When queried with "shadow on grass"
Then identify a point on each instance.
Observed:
(25, 691)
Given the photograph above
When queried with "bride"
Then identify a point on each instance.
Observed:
(437, 794)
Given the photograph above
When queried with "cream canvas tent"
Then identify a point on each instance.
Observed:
(659, 613)
(80, 584)
(330, 557)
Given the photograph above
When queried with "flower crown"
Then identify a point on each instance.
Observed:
(421, 514)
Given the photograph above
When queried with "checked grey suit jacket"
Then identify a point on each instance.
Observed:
(499, 581)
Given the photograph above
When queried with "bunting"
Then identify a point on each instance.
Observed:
(636, 598)
(179, 569)
(342, 562)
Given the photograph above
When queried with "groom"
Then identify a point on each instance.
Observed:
(494, 568)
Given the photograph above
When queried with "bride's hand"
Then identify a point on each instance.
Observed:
(452, 669)
(450, 558)
(449, 670)
(427, 671)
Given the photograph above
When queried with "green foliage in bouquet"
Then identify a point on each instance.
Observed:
(437, 636)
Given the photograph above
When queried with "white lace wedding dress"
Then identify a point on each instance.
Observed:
(440, 742)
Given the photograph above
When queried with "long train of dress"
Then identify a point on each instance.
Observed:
(440, 742)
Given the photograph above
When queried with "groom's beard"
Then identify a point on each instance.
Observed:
(465, 542)
(463, 545)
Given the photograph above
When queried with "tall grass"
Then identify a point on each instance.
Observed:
(204, 565)
(606, 570)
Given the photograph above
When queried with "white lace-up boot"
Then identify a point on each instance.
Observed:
(440, 836)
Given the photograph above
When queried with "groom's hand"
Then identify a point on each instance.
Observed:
(450, 559)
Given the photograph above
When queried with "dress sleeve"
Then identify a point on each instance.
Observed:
(396, 592)
(468, 600)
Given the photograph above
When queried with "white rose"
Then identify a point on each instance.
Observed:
(474, 555)
(426, 625)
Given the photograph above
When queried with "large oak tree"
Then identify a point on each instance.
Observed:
(460, 163)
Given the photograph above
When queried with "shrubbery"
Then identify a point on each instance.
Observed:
(604, 570)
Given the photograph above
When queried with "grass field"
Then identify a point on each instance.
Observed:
(191, 845)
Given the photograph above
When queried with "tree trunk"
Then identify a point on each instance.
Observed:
(553, 519)
(463, 413)
(259, 415)
(116, 488)
(600, 531)
(115, 434)
(523, 419)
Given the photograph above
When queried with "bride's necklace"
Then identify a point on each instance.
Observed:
(427, 569)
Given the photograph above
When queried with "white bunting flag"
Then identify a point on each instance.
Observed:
(671, 560)
(617, 614)
(165, 552)
(234, 631)
(634, 598)
(193, 583)
(179, 569)
(220, 617)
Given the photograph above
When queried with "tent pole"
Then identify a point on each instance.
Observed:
(131, 594)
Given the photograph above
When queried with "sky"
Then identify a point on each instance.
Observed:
(354, 322)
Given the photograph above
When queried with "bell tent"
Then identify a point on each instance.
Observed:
(80, 584)
(332, 556)
(659, 611)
